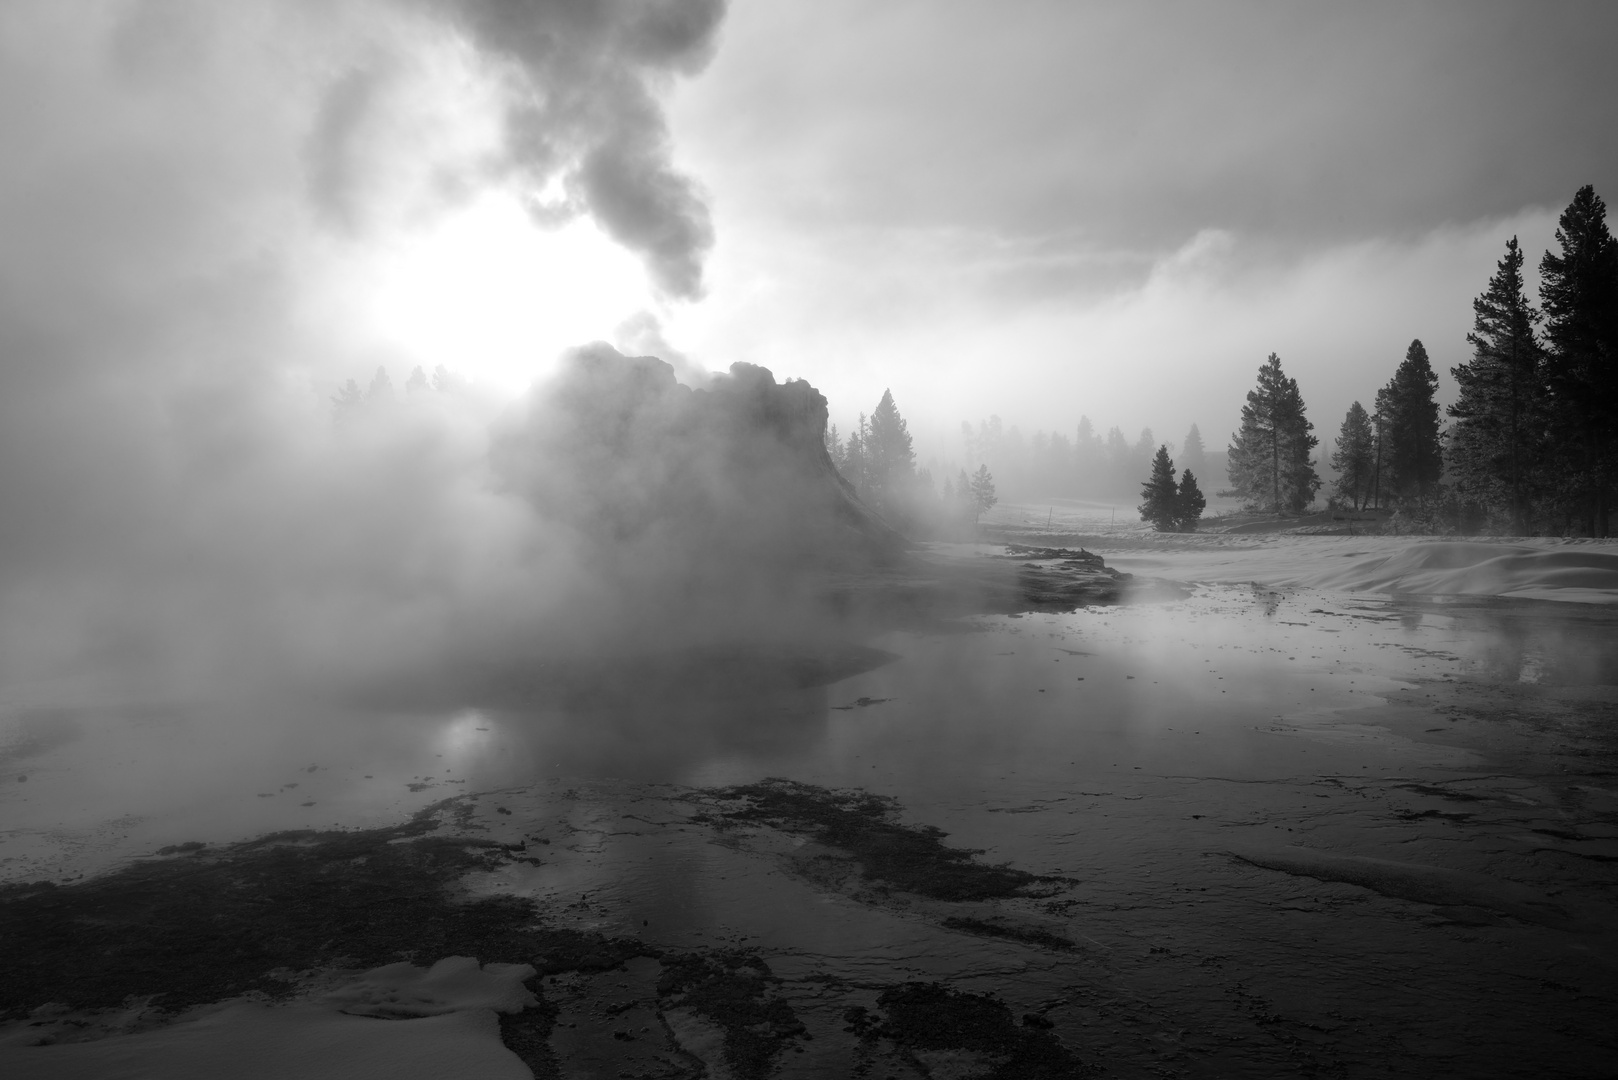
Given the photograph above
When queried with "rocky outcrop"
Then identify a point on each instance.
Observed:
(702, 480)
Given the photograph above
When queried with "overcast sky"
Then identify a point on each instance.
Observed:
(215, 213)
(1046, 209)
(1033, 209)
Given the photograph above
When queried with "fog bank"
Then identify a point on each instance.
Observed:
(197, 198)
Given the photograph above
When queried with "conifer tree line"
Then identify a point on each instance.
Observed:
(878, 460)
(879, 463)
(350, 398)
(1532, 443)
(1082, 463)
(1393, 456)
(1170, 506)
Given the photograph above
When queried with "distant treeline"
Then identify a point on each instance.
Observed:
(350, 397)
(1085, 466)
(879, 463)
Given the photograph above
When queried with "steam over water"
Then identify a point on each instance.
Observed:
(343, 561)
(1194, 768)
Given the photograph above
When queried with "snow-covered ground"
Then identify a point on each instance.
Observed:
(1537, 568)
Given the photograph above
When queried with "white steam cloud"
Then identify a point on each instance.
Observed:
(186, 190)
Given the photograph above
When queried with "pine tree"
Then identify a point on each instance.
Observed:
(856, 460)
(890, 461)
(1301, 480)
(1379, 435)
(983, 495)
(1497, 443)
(446, 381)
(1188, 503)
(1193, 455)
(417, 382)
(1578, 291)
(1355, 458)
(834, 446)
(348, 397)
(1414, 459)
(381, 388)
(1270, 465)
(963, 494)
(1159, 497)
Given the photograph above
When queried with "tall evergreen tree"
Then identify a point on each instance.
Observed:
(381, 388)
(1578, 290)
(1188, 503)
(1159, 495)
(1193, 455)
(1355, 457)
(1379, 435)
(834, 445)
(1269, 463)
(856, 461)
(1414, 459)
(982, 488)
(890, 461)
(348, 397)
(446, 381)
(1498, 440)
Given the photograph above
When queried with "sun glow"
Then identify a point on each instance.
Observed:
(491, 295)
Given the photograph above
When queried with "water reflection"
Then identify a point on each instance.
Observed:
(649, 717)
(1129, 749)
(654, 735)
(1010, 711)
(1532, 641)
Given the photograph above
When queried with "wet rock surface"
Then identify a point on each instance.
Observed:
(1256, 832)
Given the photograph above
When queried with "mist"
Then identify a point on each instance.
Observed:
(438, 634)
(1077, 210)
(197, 200)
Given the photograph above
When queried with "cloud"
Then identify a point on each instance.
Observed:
(187, 185)
(583, 104)
(1137, 126)
(334, 158)
(948, 322)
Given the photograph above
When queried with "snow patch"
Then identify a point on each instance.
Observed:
(1460, 568)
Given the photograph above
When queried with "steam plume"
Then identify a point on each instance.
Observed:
(582, 105)
(184, 189)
